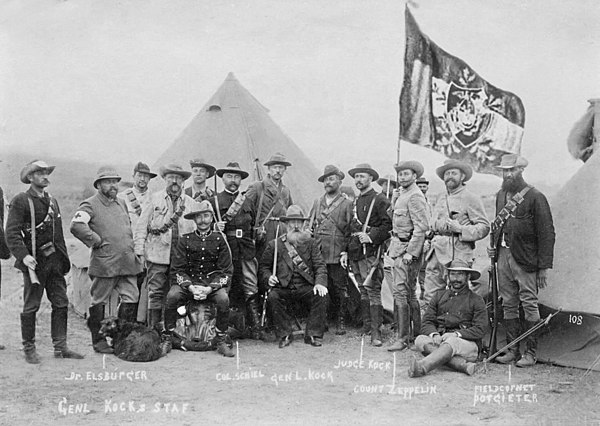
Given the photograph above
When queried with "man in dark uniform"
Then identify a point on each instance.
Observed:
(201, 269)
(330, 219)
(370, 227)
(453, 325)
(301, 275)
(235, 218)
(523, 246)
(201, 171)
(45, 260)
(269, 199)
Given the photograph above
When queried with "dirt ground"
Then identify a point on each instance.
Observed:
(335, 384)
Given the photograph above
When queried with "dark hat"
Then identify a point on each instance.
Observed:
(455, 164)
(294, 212)
(364, 168)
(413, 165)
(461, 265)
(232, 167)
(174, 168)
(106, 172)
(34, 166)
(199, 208)
(331, 170)
(422, 180)
(197, 162)
(278, 158)
(388, 178)
(143, 168)
(512, 160)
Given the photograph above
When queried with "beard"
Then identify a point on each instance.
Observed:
(513, 184)
(174, 189)
(458, 285)
(296, 236)
(110, 193)
(451, 184)
(232, 187)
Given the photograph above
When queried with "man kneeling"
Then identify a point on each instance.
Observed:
(453, 325)
(201, 269)
(301, 274)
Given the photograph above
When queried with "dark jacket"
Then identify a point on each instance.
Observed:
(379, 226)
(202, 260)
(18, 232)
(200, 196)
(241, 247)
(4, 251)
(450, 311)
(309, 252)
(332, 231)
(530, 233)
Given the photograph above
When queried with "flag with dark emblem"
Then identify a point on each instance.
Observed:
(446, 106)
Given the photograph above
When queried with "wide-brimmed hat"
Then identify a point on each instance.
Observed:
(364, 168)
(512, 160)
(34, 166)
(143, 168)
(330, 169)
(198, 162)
(232, 167)
(278, 158)
(422, 180)
(461, 265)
(106, 172)
(203, 206)
(413, 165)
(294, 212)
(388, 178)
(455, 164)
(174, 168)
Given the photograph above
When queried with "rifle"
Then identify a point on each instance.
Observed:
(264, 306)
(258, 169)
(492, 347)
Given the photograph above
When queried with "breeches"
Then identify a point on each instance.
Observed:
(404, 278)
(369, 273)
(516, 285)
(56, 292)
(126, 286)
(248, 276)
(157, 280)
(435, 278)
(460, 347)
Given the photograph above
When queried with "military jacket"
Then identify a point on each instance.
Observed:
(276, 197)
(378, 228)
(239, 230)
(331, 229)
(132, 196)
(410, 222)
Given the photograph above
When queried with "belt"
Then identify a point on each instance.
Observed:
(238, 233)
(402, 239)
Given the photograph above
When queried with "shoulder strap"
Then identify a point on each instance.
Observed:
(260, 203)
(235, 207)
(509, 210)
(134, 201)
(366, 224)
(297, 260)
(32, 214)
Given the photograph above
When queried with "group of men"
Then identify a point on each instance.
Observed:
(160, 250)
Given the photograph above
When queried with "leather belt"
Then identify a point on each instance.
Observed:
(402, 239)
(238, 233)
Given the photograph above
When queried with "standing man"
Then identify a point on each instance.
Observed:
(235, 218)
(4, 251)
(522, 244)
(156, 234)
(135, 198)
(458, 221)
(388, 183)
(102, 223)
(423, 185)
(35, 238)
(201, 171)
(410, 222)
(330, 219)
(270, 198)
(201, 269)
(301, 275)
(370, 227)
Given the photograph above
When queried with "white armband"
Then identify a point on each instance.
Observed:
(81, 217)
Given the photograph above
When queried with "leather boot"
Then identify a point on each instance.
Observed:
(403, 320)
(222, 346)
(432, 361)
(128, 311)
(365, 310)
(341, 320)
(166, 334)
(513, 329)
(376, 320)
(93, 323)
(529, 359)
(254, 318)
(415, 316)
(28, 335)
(154, 317)
(58, 331)
(458, 363)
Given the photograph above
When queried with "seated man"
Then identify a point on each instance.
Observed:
(453, 326)
(201, 269)
(301, 274)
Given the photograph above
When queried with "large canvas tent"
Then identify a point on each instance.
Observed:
(234, 126)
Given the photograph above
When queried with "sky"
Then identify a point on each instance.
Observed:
(117, 81)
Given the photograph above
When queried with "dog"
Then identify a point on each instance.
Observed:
(132, 341)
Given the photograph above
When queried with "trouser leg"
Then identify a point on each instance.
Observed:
(277, 301)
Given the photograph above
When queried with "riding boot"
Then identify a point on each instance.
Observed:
(403, 323)
(432, 361)
(341, 320)
(58, 331)
(415, 314)
(93, 323)
(222, 346)
(376, 320)
(254, 318)
(529, 359)
(429, 348)
(28, 335)
(458, 363)
(365, 309)
(128, 311)
(513, 329)
(154, 317)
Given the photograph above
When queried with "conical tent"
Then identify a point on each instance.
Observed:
(573, 337)
(234, 126)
